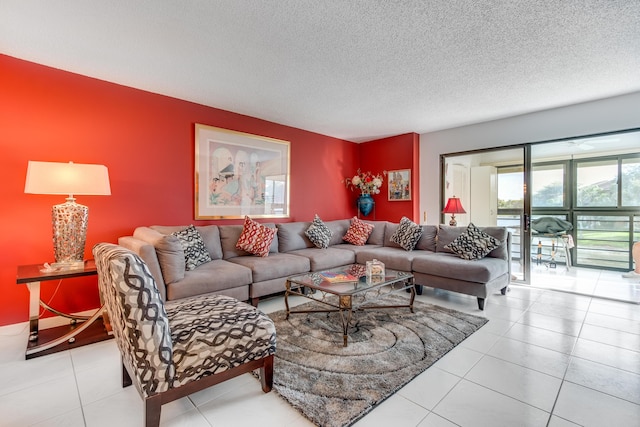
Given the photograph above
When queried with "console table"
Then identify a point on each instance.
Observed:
(82, 329)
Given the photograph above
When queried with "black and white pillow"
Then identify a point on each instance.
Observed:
(319, 233)
(473, 243)
(195, 251)
(407, 234)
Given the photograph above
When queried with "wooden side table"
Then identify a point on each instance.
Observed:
(60, 338)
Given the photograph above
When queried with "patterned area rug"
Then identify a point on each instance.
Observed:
(334, 385)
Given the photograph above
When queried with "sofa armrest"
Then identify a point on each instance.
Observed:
(147, 253)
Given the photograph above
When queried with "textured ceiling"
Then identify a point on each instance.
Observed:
(357, 70)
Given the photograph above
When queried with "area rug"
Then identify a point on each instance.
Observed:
(332, 385)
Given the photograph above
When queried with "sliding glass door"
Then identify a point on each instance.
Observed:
(571, 202)
(491, 187)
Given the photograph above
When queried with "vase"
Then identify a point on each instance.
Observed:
(365, 204)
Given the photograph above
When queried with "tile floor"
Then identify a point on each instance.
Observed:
(545, 358)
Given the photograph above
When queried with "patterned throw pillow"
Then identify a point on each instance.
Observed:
(255, 238)
(195, 252)
(319, 233)
(358, 232)
(473, 243)
(407, 234)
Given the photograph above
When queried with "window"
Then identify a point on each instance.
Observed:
(630, 182)
(510, 184)
(548, 185)
(597, 183)
(603, 240)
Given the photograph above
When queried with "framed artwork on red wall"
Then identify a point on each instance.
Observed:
(399, 185)
(238, 174)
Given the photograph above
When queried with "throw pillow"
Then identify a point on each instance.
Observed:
(170, 257)
(407, 234)
(255, 238)
(319, 233)
(195, 252)
(473, 243)
(358, 232)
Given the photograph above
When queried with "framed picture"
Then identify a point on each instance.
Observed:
(399, 185)
(238, 174)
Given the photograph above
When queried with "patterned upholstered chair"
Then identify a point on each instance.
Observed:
(172, 349)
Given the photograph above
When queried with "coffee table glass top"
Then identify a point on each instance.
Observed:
(347, 280)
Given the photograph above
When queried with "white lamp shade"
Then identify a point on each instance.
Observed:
(67, 178)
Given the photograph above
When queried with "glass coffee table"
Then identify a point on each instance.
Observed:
(347, 289)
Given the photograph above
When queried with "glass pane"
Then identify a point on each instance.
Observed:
(631, 182)
(547, 186)
(597, 183)
(603, 241)
(510, 185)
(512, 222)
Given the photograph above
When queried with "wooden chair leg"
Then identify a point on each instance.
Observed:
(152, 408)
(266, 374)
(481, 303)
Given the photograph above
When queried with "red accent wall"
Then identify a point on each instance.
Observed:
(393, 153)
(147, 142)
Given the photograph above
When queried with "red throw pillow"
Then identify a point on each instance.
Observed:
(255, 238)
(358, 232)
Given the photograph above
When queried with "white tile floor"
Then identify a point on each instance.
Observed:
(545, 358)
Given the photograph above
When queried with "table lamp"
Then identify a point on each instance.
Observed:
(69, 219)
(453, 207)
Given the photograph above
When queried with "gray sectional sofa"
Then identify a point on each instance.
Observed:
(245, 276)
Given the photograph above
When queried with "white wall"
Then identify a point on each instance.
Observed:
(606, 115)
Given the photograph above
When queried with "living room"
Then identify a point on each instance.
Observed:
(146, 140)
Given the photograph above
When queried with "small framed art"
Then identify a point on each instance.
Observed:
(399, 184)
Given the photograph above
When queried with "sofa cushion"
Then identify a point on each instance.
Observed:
(195, 252)
(378, 233)
(358, 232)
(407, 234)
(338, 229)
(169, 254)
(453, 267)
(171, 258)
(291, 236)
(275, 266)
(356, 249)
(255, 238)
(215, 276)
(446, 235)
(211, 238)
(428, 239)
(329, 258)
(318, 233)
(502, 234)
(473, 243)
(392, 258)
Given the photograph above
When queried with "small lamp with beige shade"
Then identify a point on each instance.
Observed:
(70, 219)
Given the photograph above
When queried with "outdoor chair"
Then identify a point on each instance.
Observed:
(172, 349)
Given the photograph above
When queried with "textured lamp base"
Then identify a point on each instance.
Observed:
(69, 234)
(453, 221)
